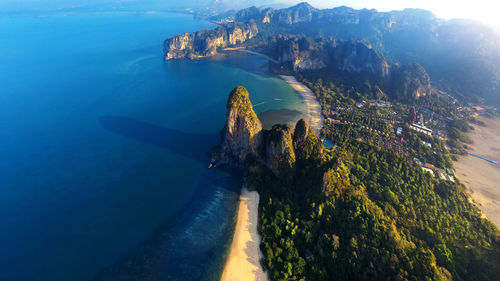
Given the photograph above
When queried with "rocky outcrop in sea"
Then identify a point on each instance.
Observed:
(244, 141)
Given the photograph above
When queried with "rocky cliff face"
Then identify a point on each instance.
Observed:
(243, 139)
(242, 133)
(411, 82)
(353, 56)
(302, 53)
(302, 12)
(295, 52)
(305, 141)
(299, 53)
(443, 47)
(205, 43)
(279, 149)
(248, 14)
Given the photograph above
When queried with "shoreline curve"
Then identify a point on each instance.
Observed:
(313, 108)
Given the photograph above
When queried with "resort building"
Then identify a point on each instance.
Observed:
(421, 129)
(430, 166)
(435, 171)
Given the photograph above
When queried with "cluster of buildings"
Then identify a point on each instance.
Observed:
(447, 175)
(428, 117)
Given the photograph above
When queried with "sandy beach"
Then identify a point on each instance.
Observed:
(243, 263)
(313, 108)
(480, 176)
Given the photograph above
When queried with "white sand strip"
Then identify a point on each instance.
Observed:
(243, 263)
(313, 108)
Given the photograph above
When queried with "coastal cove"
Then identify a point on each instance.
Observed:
(224, 140)
(116, 148)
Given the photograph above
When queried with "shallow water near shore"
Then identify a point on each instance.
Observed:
(104, 146)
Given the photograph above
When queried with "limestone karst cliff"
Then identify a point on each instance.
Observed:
(411, 81)
(305, 141)
(462, 55)
(244, 140)
(279, 149)
(300, 53)
(206, 42)
(295, 52)
(242, 133)
(354, 56)
(300, 13)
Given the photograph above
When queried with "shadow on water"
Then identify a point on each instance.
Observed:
(191, 243)
(194, 146)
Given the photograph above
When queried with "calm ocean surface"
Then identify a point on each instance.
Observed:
(103, 148)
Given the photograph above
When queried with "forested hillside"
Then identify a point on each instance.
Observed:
(360, 213)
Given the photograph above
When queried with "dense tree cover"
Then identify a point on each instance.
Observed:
(341, 88)
(440, 104)
(362, 213)
(437, 154)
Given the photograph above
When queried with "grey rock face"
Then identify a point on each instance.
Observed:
(352, 56)
(411, 81)
(205, 42)
(242, 133)
(279, 149)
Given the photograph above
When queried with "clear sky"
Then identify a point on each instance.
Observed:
(487, 11)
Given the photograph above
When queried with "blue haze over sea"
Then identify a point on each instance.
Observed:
(103, 167)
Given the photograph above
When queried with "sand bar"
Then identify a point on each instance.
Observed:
(243, 262)
(480, 176)
(313, 108)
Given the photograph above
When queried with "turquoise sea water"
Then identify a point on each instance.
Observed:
(103, 148)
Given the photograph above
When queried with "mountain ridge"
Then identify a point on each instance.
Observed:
(460, 56)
